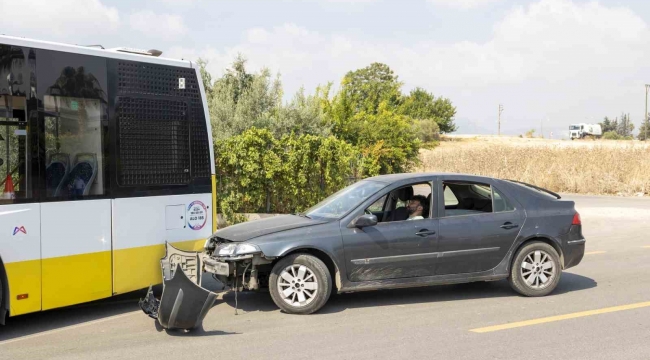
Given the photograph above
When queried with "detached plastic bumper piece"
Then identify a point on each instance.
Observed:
(183, 303)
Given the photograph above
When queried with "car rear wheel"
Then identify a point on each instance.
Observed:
(300, 284)
(535, 270)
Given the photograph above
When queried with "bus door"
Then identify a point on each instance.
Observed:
(76, 210)
(19, 213)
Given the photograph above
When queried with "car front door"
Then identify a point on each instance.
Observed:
(478, 225)
(393, 248)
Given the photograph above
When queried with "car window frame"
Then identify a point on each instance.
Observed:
(507, 199)
(441, 207)
(349, 218)
(431, 210)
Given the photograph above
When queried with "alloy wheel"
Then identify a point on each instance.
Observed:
(297, 285)
(538, 270)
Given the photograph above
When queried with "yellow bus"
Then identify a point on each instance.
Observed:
(105, 155)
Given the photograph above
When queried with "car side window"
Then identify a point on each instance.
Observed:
(501, 204)
(450, 198)
(378, 206)
(406, 197)
(465, 198)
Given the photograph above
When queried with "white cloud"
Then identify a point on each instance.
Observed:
(552, 59)
(464, 4)
(57, 18)
(164, 26)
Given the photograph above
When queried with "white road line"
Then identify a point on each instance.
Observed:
(71, 327)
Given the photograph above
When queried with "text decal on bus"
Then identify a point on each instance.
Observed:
(196, 215)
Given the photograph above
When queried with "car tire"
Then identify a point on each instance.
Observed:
(315, 276)
(520, 275)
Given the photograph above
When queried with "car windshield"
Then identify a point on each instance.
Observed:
(341, 202)
(574, 127)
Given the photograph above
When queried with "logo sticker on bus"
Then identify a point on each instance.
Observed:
(20, 229)
(196, 215)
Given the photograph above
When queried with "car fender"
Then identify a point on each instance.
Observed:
(538, 236)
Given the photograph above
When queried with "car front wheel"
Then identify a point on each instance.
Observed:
(535, 270)
(300, 284)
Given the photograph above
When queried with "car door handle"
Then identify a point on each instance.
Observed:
(509, 225)
(425, 232)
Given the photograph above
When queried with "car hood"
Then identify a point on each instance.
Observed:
(256, 228)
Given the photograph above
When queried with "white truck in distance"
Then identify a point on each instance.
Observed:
(582, 130)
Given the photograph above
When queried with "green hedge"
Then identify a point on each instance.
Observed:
(258, 173)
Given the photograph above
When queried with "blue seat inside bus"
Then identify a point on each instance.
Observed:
(81, 177)
(56, 171)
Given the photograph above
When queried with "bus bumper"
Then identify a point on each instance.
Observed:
(183, 303)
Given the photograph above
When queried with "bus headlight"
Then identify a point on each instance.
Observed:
(237, 249)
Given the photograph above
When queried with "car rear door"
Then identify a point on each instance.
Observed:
(478, 224)
(392, 249)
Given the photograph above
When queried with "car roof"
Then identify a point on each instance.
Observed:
(392, 178)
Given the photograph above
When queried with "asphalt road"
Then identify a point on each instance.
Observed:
(600, 310)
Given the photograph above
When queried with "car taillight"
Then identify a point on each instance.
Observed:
(576, 219)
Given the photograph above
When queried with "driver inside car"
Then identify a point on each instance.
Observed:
(416, 207)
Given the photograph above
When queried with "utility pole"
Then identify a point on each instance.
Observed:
(647, 88)
(500, 110)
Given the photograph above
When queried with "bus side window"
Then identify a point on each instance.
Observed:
(16, 137)
(73, 143)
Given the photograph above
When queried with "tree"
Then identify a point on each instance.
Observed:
(612, 135)
(387, 141)
(625, 126)
(642, 130)
(362, 91)
(241, 100)
(608, 125)
(368, 87)
(206, 78)
(427, 130)
(303, 115)
(420, 105)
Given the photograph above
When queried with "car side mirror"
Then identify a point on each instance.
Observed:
(365, 220)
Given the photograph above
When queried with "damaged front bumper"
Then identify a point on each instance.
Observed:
(183, 303)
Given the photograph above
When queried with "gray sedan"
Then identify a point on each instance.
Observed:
(390, 231)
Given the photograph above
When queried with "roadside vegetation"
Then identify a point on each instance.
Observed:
(596, 169)
(277, 157)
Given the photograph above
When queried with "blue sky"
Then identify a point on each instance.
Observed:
(549, 62)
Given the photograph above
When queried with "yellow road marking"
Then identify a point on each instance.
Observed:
(560, 317)
(595, 252)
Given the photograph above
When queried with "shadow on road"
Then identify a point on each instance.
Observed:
(34, 323)
(569, 282)
(193, 333)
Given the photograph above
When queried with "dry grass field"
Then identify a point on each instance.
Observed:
(579, 166)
